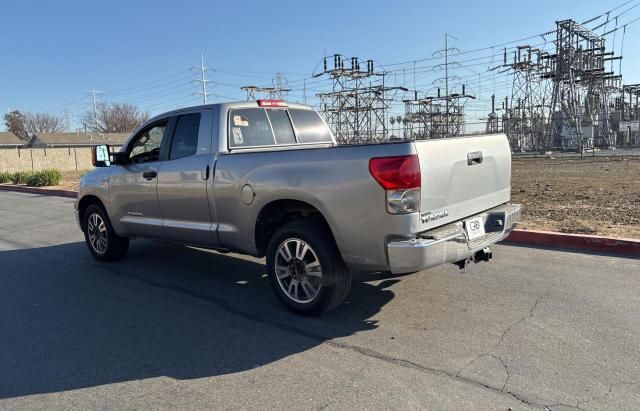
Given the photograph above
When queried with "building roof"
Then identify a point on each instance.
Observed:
(77, 139)
(9, 139)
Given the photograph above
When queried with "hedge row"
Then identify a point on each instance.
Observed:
(46, 177)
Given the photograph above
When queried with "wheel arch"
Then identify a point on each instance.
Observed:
(85, 202)
(278, 212)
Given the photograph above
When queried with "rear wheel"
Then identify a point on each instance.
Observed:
(305, 268)
(104, 244)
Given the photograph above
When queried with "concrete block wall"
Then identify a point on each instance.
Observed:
(33, 159)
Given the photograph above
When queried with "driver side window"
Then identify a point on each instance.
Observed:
(146, 146)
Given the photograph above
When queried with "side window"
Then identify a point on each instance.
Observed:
(249, 127)
(309, 126)
(281, 126)
(146, 145)
(185, 137)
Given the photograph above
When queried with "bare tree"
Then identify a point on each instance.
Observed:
(24, 125)
(114, 118)
(16, 123)
(43, 123)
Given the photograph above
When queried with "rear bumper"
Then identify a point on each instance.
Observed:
(449, 244)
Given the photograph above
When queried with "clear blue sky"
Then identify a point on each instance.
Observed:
(53, 52)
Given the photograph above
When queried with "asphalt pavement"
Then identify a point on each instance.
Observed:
(179, 327)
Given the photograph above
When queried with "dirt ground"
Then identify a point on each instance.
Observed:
(592, 196)
(71, 179)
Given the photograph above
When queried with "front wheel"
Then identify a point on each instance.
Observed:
(305, 268)
(103, 242)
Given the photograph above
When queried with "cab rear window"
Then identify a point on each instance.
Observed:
(257, 127)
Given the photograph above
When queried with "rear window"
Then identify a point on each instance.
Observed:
(309, 126)
(249, 127)
(281, 126)
(255, 127)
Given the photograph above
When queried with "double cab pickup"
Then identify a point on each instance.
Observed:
(267, 178)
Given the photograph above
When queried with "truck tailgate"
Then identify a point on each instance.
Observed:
(462, 176)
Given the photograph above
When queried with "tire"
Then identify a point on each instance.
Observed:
(320, 277)
(103, 243)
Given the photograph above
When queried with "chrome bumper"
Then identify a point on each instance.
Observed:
(449, 243)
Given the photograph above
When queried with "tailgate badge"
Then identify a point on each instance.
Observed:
(428, 217)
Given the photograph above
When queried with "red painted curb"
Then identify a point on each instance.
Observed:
(576, 241)
(36, 190)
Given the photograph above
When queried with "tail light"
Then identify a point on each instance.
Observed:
(401, 178)
(272, 103)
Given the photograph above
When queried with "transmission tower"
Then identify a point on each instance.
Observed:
(280, 88)
(436, 116)
(581, 89)
(202, 80)
(493, 121)
(629, 125)
(356, 109)
(527, 115)
(94, 108)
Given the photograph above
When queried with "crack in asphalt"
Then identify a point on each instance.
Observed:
(501, 340)
(579, 404)
(227, 306)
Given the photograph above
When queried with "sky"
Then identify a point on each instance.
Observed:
(54, 53)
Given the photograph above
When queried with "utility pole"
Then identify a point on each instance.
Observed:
(94, 101)
(67, 119)
(203, 81)
(304, 91)
(446, 79)
(445, 53)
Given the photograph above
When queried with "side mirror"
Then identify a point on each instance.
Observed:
(100, 156)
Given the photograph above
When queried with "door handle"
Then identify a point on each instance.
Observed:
(149, 175)
(205, 173)
(474, 158)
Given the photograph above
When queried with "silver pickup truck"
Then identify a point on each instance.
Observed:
(267, 179)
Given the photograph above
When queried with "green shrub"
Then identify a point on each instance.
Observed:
(46, 177)
(5, 177)
(20, 177)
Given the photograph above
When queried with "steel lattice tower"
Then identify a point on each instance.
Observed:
(581, 89)
(527, 114)
(356, 109)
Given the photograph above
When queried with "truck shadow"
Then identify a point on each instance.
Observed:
(69, 322)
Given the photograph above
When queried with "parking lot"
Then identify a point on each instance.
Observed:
(173, 326)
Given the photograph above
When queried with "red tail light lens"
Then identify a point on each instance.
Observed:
(396, 173)
(272, 103)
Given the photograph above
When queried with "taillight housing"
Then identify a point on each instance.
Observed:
(401, 178)
(272, 103)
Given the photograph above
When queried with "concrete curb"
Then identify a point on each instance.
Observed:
(579, 242)
(38, 190)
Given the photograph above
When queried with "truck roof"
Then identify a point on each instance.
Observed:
(228, 105)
